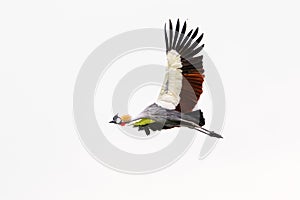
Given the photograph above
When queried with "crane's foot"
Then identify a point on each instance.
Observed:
(209, 133)
(213, 134)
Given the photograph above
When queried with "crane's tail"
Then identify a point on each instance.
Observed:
(197, 117)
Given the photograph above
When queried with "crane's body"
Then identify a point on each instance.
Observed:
(157, 118)
(181, 89)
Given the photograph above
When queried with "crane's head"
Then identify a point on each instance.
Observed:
(121, 120)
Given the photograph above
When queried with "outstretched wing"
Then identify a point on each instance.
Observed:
(182, 85)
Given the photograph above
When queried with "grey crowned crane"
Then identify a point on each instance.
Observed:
(181, 89)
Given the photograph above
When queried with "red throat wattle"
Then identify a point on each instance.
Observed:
(122, 123)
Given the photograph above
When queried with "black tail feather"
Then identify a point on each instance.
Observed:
(197, 117)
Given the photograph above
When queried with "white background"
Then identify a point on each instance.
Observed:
(255, 46)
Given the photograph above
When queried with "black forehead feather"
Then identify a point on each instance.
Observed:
(115, 117)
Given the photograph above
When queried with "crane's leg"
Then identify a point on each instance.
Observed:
(193, 125)
(208, 132)
(147, 131)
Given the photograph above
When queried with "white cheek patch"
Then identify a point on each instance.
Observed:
(169, 95)
(118, 120)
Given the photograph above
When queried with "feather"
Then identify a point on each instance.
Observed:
(181, 36)
(176, 34)
(194, 44)
(143, 122)
(185, 40)
(189, 42)
(166, 38)
(170, 34)
(196, 51)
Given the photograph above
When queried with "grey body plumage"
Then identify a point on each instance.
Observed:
(166, 118)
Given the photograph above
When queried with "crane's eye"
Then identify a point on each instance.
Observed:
(118, 120)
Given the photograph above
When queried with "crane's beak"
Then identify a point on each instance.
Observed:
(112, 122)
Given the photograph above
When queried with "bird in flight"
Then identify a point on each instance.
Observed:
(181, 88)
